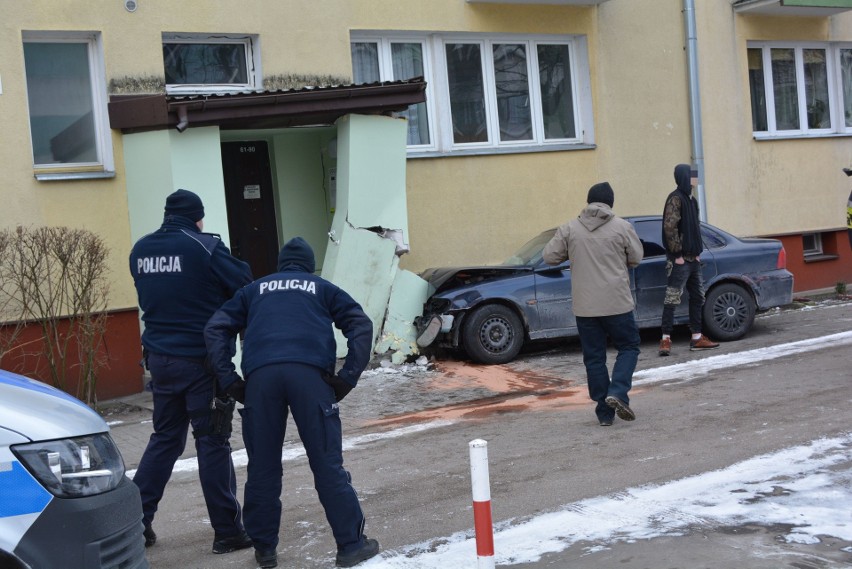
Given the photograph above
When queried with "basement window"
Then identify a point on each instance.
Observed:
(812, 244)
(819, 246)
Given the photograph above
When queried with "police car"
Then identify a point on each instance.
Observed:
(64, 499)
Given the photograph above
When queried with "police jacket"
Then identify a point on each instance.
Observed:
(289, 316)
(182, 276)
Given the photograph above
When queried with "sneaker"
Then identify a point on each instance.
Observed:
(621, 408)
(665, 346)
(368, 550)
(233, 543)
(266, 558)
(702, 343)
(150, 536)
(606, 422)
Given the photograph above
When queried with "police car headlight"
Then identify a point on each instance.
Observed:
(71, 468)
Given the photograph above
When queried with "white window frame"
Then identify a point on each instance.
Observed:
(817, 249)
(835, 89)
(438, 94)
(251, 50)
(105, 165)
(386, 74)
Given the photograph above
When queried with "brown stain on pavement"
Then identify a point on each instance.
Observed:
(513, 392)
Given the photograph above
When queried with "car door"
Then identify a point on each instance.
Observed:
(651, 275)
(553, 302)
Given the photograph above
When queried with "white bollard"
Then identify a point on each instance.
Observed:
(481, 504)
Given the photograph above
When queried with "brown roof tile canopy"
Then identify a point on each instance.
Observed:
(263, 109)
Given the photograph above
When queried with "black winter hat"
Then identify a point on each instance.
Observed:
(185, 204)
(297, 252)
(601, 193)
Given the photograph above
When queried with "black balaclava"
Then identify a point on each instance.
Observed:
(297, 252)
(682, 175)
(601, 193)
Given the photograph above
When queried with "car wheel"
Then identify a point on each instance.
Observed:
(728, 312)
(493, 334)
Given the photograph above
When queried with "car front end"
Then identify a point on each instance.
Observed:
(66, 501)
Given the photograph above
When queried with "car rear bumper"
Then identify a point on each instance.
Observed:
(774, 288)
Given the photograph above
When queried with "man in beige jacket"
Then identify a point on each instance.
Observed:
(602, 247)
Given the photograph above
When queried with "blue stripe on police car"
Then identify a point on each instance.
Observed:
(28, 496)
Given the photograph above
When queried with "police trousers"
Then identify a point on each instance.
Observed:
(182, 390)
(270, 392)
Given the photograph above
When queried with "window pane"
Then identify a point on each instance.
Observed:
(205, 63)
(816, 88)
(758, 90)
(365, 62)
(61, 108)
(786, 93)
(408, 63)
(557, 100)
(467, 96)
(846, 74)
(513, 92)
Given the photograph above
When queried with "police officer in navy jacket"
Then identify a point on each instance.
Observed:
(288, 361)
(182, 277)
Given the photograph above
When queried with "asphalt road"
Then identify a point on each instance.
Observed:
(407, 432)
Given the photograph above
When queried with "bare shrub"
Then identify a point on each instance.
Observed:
(56, 278)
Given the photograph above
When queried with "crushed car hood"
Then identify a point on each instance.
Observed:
(444, 278)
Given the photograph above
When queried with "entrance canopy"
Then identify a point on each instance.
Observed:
(306, 106)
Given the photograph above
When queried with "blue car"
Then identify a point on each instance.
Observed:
(491, 312)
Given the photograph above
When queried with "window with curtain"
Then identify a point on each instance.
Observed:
(800, 88)
(405, 61)
(198, 63)
(846, 81)
(66, 96)
(492, 92)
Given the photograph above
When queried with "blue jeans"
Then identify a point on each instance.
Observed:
(687, 275)
(622, 330)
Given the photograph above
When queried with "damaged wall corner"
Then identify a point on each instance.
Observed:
(370, 225)
(408, 293)
(363, 264)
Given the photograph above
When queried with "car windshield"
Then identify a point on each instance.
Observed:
(530, 253)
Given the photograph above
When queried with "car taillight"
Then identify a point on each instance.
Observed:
(782, 259)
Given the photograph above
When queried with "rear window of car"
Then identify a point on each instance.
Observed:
(712, 240)
(650, 233)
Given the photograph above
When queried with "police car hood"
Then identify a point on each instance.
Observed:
(40, 412)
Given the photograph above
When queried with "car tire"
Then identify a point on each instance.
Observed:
(493, 334)
(729, 311)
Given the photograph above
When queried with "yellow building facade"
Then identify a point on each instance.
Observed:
(527, 104)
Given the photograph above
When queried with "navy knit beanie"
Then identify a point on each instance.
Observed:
(601, 193)
(185, 204)
(297, 252)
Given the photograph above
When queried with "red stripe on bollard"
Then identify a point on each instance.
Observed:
(483, 527)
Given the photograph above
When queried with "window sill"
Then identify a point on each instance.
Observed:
(760, 137)
(818, 258)
(503, 150)
(66, 176)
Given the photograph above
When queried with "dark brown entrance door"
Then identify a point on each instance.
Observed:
(251, 207)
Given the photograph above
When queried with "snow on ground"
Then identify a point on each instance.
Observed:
(808, 487)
